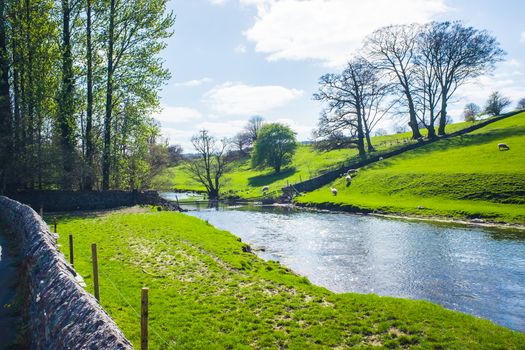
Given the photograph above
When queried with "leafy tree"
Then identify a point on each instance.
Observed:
(274, 147)
(521, 104)
(211, 162)
(470, 112)
(496, 103)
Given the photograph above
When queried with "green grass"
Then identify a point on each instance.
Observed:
(461, 177)
(243, 181)
(206, 293)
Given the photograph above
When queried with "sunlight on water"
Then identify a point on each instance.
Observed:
(474, 270)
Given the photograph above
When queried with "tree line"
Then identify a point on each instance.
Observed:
(79, 81)
(411, 71)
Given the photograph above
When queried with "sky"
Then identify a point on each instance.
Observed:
(231, 59)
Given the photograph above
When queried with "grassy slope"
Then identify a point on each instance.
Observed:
(461, 177)
(246, 182)
(205, 293)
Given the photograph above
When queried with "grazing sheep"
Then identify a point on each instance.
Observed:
(334, 191)
(348, 179)
(265, 189)
(503, 147)
(381, 158)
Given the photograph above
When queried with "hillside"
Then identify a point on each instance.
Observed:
(243, 181)
(462, 177)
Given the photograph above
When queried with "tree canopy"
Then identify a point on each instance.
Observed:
(275, 146)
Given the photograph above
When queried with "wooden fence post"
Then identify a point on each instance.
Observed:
(55, 223)
(95, 270)
(42, 212)
(71, 257)
(144, 320)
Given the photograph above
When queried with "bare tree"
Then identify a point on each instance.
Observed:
(496, 103)
(241, 141)
(353, 102)
(521, 104)
(471, 111)
(392, 49)
(210, 164)
(459, 53)
(254, 125)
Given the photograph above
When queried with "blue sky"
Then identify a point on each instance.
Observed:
(231, 59)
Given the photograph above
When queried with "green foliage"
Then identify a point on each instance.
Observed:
(205, 292)
(274, 147)
(461, 177)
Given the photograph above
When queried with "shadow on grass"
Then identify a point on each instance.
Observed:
(493, 136)
(263, 180)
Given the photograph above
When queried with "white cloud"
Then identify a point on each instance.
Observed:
(217, 2)
(240, 99)
(328, 30)
(522, 37)
(194, 82)
(176, 115)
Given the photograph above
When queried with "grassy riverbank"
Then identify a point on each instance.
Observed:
(462, 177)
(243, 181)
(205, 292)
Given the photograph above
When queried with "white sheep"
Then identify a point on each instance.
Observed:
(503, 147)
(265, 189)
(381, 158)
(348, 178)
(334, 191)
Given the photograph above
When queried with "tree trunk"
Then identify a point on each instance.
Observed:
(6, 131)
(413, 118)
(89, 176)
(443, 115)
(106, 156)
(66, 103)
(360, 133)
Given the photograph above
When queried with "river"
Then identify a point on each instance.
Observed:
(476, 270)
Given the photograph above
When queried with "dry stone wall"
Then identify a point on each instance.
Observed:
(59, 313)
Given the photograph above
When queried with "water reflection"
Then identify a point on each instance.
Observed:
(474, 270)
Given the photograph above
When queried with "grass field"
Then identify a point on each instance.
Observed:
(243, 181)
(206, 293)
(462, 177)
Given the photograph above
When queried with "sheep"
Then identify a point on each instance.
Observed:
(381, 158)
(334, 191)
(265, 189)
(503, 147)
(348, 180)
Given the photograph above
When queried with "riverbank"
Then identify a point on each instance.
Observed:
(463, 178)
(205, 288)
(431, 217)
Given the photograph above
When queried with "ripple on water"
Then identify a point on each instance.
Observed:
(475, 270)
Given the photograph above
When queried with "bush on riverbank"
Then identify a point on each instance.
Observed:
(205, 292)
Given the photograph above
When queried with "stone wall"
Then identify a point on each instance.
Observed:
(59, 313)
(52, 201)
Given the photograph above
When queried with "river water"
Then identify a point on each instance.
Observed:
(474, 270)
